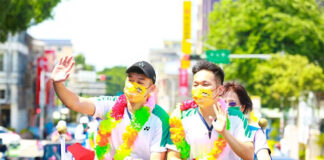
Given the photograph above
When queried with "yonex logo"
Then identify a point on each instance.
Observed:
(141, 64)
(147, 128)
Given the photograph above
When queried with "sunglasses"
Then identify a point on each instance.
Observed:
(232, 104)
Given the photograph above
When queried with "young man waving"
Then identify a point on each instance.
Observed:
(203, 128)
(133, 126)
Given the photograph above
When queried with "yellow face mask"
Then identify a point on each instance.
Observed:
(134, 92)
(203, 97)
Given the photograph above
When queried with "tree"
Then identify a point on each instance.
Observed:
(294, 27)
(268, 26)
(116, 81)
(283, 77)
(80, 61)
(18, 15)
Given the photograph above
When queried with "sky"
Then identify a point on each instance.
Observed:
(113, 32)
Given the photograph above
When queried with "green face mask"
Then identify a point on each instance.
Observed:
(84, 126)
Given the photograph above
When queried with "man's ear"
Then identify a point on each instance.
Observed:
(152, 88)
(220, 90)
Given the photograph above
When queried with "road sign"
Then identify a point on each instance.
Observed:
(218, 56)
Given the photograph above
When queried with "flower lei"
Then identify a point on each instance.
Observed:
(91, 140)
(113, 118)
(178, 134)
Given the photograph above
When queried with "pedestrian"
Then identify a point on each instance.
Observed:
(81, 131)
(133, 126)
(55, 136)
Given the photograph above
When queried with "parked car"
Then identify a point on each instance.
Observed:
(9, 138)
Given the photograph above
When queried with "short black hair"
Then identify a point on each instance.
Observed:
(205, 65)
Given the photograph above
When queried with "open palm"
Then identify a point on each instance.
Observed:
(62, 70)
(220, 124)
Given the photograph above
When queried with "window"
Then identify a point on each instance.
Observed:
(2, 94)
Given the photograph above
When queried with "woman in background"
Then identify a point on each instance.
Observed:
(235, 95)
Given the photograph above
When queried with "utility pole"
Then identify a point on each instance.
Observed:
(42, 103)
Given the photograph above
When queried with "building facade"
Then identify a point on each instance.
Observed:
(16, 81)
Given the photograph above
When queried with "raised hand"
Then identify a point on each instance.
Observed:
(61, 71)
(221, 115)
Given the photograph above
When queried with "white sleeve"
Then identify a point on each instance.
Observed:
(159, 139)
(260, 141)
(103, 105)
(240, 132)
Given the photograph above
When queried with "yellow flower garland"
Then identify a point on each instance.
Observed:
(178, 135)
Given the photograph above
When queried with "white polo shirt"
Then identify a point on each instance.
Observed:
(201, 137)
(152, 138)
(259, 140)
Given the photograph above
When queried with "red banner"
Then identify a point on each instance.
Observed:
(42, 65)
(45, 64)
(183, 82)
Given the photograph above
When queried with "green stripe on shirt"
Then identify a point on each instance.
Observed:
(164, 117)
(235, 111)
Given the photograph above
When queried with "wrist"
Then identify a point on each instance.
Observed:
(56, 82)
(224, 133)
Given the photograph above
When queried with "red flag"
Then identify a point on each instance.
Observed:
(81, 153)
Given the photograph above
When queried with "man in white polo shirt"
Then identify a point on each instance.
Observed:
(202, 128)
(133, 126)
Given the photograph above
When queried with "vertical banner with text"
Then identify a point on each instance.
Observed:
(186, 49)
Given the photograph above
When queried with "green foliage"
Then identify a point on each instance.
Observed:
(284, 77)
(275, 127)
(295, 27)
(302, 151)
(116, 79)
(278, 79)
(268, 26)
(320, 140)
(80, 60)
(18, 15)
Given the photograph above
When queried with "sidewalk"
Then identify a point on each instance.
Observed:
(28, 148)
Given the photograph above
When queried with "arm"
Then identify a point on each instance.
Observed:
(73, 101)
(245, 150)
(263, 154)
(60, 74)
(262, 149)
(158, 155)
(173, 155)
(242, 149)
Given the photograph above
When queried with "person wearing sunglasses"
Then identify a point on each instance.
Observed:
(235, 95)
